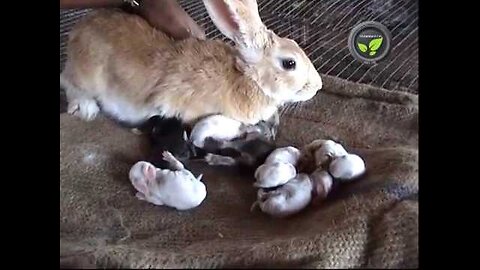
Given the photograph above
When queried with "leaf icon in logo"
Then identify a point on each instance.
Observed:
(362, 47)
(372, 53)
(375, 44)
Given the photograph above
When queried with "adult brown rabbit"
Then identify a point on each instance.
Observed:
(116, 60)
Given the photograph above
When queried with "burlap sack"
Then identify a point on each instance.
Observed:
(372, 222)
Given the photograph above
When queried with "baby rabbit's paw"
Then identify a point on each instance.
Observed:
(167, 156)
(174, 163)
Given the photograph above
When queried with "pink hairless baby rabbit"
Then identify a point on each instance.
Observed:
(177, 188)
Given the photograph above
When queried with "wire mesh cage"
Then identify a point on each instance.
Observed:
(322, 28)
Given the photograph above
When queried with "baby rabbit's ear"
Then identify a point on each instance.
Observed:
(240, 21)
(150, 172)
(142, 175)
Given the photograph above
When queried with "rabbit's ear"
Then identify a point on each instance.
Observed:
(239, 20)
(142, 175)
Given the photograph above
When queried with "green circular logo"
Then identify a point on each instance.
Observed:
(369, 42)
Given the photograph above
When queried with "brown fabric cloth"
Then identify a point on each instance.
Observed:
(372, 222)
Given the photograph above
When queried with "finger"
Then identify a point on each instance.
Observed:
(196, 31)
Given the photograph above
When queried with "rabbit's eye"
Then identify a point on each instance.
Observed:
(288, 64)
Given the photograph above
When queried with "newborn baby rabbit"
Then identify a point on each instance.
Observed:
(229, 143)
(176, 188)
(135, 72)
(294, 190)
(278, 169)
(167, 134)
(295, 195)
(333, 157)
(288, 199)
(322, 185)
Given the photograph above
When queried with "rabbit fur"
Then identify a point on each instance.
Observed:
(119, 63)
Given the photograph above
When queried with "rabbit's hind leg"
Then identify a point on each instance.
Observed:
(79, 103)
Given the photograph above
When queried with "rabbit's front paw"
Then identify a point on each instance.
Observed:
(174, 162)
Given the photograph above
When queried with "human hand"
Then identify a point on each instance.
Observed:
(169, 17)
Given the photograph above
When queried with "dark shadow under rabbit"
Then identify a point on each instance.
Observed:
(167, 134)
